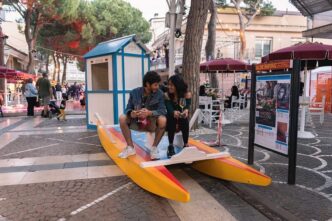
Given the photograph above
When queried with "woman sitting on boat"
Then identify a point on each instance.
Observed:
(177, 102)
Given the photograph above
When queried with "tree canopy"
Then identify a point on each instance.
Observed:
(76, 26)
(116, 18)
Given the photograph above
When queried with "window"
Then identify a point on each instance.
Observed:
(262, 47)
(99, 76)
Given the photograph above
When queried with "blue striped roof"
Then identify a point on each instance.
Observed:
(109, 47)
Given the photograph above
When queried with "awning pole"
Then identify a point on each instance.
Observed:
(6, 94)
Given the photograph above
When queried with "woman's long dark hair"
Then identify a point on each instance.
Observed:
(180, 86)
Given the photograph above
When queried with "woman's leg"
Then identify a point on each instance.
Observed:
(171, 126)
(33, 103)
(29, 106)
(184, 127)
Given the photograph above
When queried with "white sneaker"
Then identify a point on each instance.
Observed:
(154, 153)
(128, 151)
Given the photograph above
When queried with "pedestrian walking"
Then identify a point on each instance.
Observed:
(58, 91)
(30, 94)
(45, 93)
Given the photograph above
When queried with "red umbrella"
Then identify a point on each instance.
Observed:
(13, 74)
(309, 52)
(228, 65)
(203, 67)
(6, 70)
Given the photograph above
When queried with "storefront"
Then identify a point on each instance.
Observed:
(11, 85)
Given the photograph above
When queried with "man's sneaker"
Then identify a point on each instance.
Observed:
(154, 154)
(128, 151)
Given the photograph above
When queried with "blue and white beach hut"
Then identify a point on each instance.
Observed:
(113, 69)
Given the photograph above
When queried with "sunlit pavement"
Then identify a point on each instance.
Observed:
(51, 170)
(72, 107)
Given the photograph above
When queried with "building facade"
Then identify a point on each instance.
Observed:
(16, 48)
(319, 14)
(264, 35)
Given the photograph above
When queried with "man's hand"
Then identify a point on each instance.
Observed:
(144, 113)
(177, 114)
(134, 114)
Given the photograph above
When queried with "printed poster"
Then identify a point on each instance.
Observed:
(272, 111)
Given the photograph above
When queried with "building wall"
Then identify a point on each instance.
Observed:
(281, 30)
(74, 74)
(157, 27)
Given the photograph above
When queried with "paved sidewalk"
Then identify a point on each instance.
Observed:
(73, 107)
(52, 170)
(311, 197)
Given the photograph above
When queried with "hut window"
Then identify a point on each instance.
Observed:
(99, 73)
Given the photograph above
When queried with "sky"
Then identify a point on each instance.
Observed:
(150, 7)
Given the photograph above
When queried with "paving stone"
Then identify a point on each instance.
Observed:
(39, 201)
(66, 144)
(306, 200)
(55, 123)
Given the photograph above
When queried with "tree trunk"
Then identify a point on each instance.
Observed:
(211, 42)
(31, 36)
(192, 47)
(64, 73)
(30, 42)
(47, 62)
(58, 68)
(55, 65)
(243, 42)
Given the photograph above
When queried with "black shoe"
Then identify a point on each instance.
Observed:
(170, 151)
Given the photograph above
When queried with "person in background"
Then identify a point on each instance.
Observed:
(83, 87)
(82, 101)
(77, 92)
(64, 93)
(177, 102)
(53, 91)
(234, 93)
(145, 111)
(9, 93)
(1, 103)
(58, 91)
(202, 91)
(45, 92)
(30, 94)
(301, 88)
(62, 115)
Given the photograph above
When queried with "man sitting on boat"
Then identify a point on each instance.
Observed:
(145, 111)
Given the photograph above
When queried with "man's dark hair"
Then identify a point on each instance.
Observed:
(44, 74)
(151, 77)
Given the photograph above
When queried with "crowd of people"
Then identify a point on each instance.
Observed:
(52, 97)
